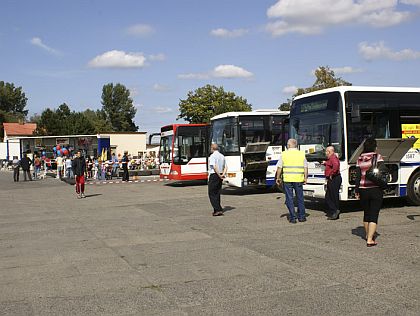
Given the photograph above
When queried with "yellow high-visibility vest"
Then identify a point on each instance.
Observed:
(293, 165)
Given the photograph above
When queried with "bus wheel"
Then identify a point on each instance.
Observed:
(413, 188)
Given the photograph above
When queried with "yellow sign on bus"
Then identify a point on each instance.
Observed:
(411, 131)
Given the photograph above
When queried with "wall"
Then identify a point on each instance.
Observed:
(133, 143)
(14, 149)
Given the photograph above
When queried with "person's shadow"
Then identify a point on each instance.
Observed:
(360, 232)
(228, 209)
(411, 217)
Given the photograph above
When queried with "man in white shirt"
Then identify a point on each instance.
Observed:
(60, 166)
(217, 171)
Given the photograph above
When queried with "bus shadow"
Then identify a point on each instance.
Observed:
(183, 184)
(247, 191)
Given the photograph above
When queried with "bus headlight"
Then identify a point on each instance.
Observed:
(231, 174)
(174, 173)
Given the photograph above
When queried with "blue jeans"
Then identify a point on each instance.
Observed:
(288, 190)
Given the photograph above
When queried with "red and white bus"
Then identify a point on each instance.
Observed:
(183, 151)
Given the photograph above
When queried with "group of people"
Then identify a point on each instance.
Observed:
(292, 174)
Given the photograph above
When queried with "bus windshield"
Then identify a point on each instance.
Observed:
(190, 142)
(225, 134)
(316, 122)
(165, 149)
(379, 115)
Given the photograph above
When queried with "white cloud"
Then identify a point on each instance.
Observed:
(134, 91)
(314, 16)
(221, 71)
(346, 70)
(118, 59)
(36, 41)
(381, 51)
(225, 33)
(162, 109)
(157, 57)
(160, 87)
(140, 30)
(289, 89)
(231, 71)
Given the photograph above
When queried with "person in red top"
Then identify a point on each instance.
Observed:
(370, 194)
(333, 178)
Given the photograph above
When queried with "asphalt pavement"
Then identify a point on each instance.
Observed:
(153, 248)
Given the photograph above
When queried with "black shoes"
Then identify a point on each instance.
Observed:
(302, 219)
(217, 213)
(334, 216)
(292, 221)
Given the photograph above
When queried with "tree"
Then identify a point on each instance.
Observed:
(12, 104)
(63, 121)
(98, 119)
(118, 107)
(325, 78)
(208, 101)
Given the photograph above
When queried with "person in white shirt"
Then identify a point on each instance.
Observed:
(60, 165)
(217, 171)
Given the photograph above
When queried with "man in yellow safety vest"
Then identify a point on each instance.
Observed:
(292, 170)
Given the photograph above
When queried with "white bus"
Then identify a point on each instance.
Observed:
(344, 117)
(252, 143)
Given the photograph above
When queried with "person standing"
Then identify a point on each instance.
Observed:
(79, 169)
(37, 166)
(16, 168)
(115, 164)
(25, 163)
(292, 170)
(370, 194)
(69, 168)
(60, 165)
(333, 178)
(217, 171)
(125, 161)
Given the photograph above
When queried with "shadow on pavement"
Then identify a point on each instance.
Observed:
(228, 209)
(182, 184)
(92, 195)
(248, 190)
(412, 217)
(360, 232)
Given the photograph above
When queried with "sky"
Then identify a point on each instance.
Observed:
(65, 51)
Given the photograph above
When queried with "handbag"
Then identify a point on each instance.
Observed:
(378, 174)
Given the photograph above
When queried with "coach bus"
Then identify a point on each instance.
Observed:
(343, 117)
(252, 143)
(183, 152)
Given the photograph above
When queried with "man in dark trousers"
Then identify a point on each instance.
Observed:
(217, 171)
(16, 168)
(25, 163)
(79, 170)
(333, 178)
(125, 166)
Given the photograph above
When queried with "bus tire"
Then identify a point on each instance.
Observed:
(413, 188)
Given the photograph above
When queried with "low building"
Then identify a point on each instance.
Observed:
(10, 147)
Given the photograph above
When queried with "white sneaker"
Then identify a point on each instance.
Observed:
(83, 195)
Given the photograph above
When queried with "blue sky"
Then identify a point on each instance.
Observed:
(66, 51)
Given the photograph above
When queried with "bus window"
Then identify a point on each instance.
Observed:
(254, 129)
(165, 149)
(277, 131)
(190, 143)
(379, 115)
(225, 134)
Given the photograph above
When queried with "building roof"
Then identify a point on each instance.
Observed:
(18, 129)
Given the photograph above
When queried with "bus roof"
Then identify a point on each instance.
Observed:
(250, 113)
(343, 89)
(183, 124)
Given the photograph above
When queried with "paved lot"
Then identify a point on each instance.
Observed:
(153, 249)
